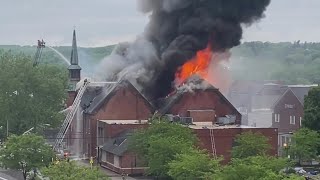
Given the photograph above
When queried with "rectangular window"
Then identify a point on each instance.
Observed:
(300, 121)
(276, 117)
(292, 119)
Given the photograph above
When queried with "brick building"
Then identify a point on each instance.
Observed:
(219, 140)
(213, 118)
(115, 102)
(271, 105)
(288, 111)
(113, 143)
(111, 111)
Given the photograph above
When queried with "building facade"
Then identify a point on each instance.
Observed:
(288, 112)
(114, 110)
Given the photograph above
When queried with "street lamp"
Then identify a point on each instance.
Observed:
(286, 148)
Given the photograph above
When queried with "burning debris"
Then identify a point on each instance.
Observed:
(183, 37)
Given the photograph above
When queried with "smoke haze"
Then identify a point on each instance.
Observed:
(176, 31)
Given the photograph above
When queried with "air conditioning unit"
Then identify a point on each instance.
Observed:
(186, 120)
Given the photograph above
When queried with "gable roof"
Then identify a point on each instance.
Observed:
(119, 144)
(301, 91)
(279, 99)
(266, 97)
(193, 84)
(108, 92)
(298, 91)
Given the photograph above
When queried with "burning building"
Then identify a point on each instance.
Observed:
(177, 68)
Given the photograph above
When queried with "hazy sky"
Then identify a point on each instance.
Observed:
(104, 22)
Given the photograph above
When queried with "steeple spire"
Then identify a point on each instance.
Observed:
(74, 51)
(74, 68)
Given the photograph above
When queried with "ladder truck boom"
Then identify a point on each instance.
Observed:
(68, 120)
(37, 57)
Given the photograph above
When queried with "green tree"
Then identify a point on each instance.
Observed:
(255, 168)
(250, 144)
(193, 164)
(25, 152)
(30, 96)
(305, 144)
(160, 143)
(311, 117)
(71, 171)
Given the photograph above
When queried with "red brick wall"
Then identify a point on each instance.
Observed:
(204, 100)
(70, 98)
(129, 171)
(126, 104)
(202, 116)
(224, 139)
(284, 125)
(111, 130)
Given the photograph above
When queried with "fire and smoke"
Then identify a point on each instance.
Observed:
(183, 37)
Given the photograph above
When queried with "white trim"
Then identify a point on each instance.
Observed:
(293, 120)
(276, 117)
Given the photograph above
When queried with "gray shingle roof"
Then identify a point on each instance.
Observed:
(300, 92)
(93, 99)
(119, 144)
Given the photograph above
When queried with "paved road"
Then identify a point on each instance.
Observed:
(6, 177)
(6, 174)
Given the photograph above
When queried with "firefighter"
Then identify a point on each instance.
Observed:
(66, 156)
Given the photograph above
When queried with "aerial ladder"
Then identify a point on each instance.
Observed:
(37, 57)
(70, 116)
(213, 143)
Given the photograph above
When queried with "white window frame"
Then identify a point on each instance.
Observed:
(293, 120)
(276, 117)
(300, 121)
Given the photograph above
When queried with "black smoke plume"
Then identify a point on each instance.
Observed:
(179, 28)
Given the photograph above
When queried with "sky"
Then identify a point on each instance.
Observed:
(106, 22)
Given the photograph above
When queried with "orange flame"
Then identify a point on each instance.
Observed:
(207, 65)
(197, 65)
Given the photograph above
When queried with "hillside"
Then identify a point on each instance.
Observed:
(291, 62)
(88, 57)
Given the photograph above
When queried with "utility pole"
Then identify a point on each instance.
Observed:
(7, 128)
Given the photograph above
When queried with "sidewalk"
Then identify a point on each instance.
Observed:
(111, 174)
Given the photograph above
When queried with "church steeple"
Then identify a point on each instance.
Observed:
(74, 68)
(74, 51)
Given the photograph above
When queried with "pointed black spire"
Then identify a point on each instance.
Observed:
(74, 68)
(74, 53)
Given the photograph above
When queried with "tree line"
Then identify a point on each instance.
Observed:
(293, 63)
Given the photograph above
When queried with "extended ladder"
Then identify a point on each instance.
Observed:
(213, 144)
(37, 57)
(67, 122)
